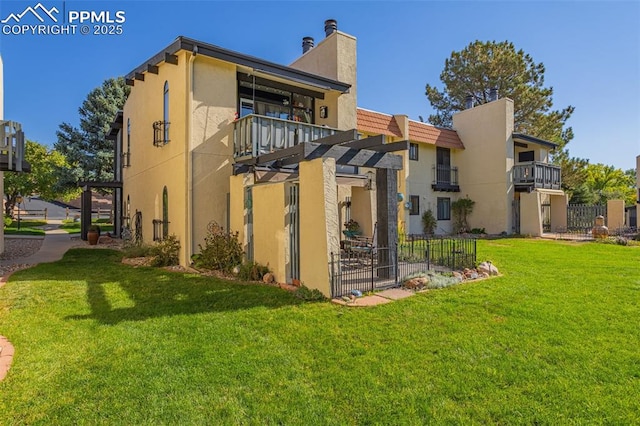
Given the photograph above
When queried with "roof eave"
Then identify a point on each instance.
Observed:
(210, 50)
(521, 137)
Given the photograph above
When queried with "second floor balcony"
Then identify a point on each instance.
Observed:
(445, 178)
(532, 175)
(255, 135)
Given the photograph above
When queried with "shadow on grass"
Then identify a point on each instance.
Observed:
(152, 292)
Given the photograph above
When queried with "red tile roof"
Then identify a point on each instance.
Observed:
(377, 122)
(385, 124)
(445, 138)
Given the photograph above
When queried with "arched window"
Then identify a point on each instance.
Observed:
(165, 213)
(166, 111)
(127, 155)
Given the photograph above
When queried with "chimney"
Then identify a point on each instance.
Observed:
(307, 44)
(468, 102)
(330, 26)
(493, 94)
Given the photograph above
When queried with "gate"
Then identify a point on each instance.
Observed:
(515, 204)
(293, 219)
(582, 217)
(546, 217)
(248, 207)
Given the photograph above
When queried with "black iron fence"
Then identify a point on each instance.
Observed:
(366, 268)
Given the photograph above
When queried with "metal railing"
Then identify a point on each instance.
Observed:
(161, 133)
(445, 175)
(364, 267)
(254, 135)
(537, 175)
(12, 145)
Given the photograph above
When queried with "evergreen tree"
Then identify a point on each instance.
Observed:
(482, 66)
(86, 148)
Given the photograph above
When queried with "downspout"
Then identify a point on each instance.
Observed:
(188, 246)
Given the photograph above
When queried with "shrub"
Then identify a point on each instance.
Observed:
(478, 231)
(7, 221)
(222, 251)
(252, 271)
(428, 222)
(305, 293)
(166, 252)
(461, 209)
(137, 250)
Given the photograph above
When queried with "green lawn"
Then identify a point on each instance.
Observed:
(554, 341)
(27, 227)
(74, 227)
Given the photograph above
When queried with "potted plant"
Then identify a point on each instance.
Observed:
(93, 234)
(352, 228)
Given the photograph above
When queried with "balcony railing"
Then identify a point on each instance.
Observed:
(12, 147)
(445, 178)
(161, 133)
(536, 175)
(254, 135)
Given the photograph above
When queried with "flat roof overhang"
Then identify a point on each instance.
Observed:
(258, 65)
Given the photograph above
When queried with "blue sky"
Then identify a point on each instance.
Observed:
(591, 51)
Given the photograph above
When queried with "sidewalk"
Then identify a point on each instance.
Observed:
(55, 245)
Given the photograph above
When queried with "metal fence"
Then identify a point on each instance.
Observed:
(366, 268)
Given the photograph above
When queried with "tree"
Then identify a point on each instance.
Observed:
(481, 66)
(41, 180)
(608, 183)
(86, 148)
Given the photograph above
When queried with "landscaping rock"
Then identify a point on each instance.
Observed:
(488, 268)
(268, 278)
(457, 274)
(416, 283)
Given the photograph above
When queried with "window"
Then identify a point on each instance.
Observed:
(273, 99)
(444, 208)
(126, 156)
(165, 213)
(165, 117)
(525, 156)
(413, 151)
(414, 205)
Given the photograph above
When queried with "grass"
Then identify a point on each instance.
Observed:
(553, 341)
(27, 227)
(74, 227)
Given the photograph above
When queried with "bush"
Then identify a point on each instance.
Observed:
(222, 251)
(252, 271)
(478, 231)
(7, 221)
(305, 293)
(137, 250)
(428, 222)
(166, 252)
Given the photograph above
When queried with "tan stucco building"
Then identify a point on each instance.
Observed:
(284, 156)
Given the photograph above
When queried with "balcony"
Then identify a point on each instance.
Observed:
(161, 133)
(12, 148)
(532, 175)
(255, 135)
(445, 178)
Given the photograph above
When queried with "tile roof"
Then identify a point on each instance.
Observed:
(377, 122)
(445, 138)
(385, 124)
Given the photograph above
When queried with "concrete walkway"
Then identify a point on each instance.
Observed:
(55, 245)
